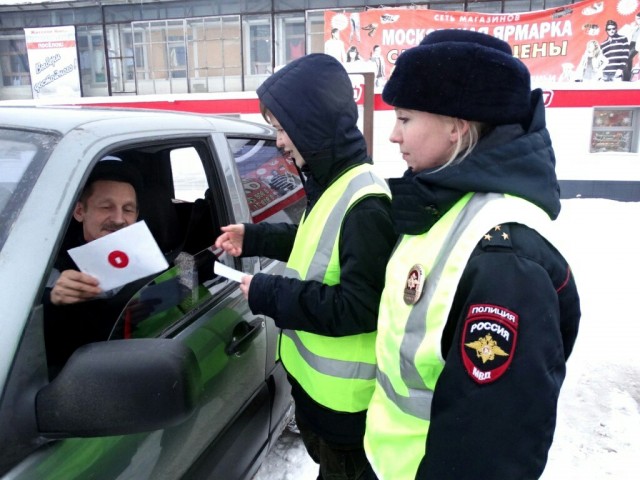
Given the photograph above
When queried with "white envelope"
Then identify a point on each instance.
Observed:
(120, 257)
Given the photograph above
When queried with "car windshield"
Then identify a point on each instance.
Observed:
(22, 156)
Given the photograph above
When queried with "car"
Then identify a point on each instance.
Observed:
(194, 389)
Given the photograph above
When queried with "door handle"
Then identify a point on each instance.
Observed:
(243, 335)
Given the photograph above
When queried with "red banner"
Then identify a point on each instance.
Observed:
(557, 45)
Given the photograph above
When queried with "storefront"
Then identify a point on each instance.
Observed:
(195, 46)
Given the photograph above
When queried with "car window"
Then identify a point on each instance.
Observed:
(170, 297)
(183, 205)
(190, 283)
(189, 177)
(272, 184)
(179, 207)
(22, 156)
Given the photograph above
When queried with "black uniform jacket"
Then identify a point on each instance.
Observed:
(320, 118)
(499, 429)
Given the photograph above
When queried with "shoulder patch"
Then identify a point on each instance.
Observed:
(498, 236)
(488, 341)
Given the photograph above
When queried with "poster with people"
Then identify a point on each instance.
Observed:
(53, 61)
(589, 41)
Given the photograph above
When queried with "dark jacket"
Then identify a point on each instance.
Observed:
(314, 105)
(503, 428)
(68, 327)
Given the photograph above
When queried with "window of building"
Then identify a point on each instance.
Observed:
(14, 63)
(121, 58)
(290, 37)
(315, 31)
(176, 54)
(614, 130)
(257, 49)
(190, 55)
(153, 75)
(516, 6)
(448, 6)
(485, 7)
(93, 65)
(214, 58)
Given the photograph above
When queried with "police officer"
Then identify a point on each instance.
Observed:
(480, 312)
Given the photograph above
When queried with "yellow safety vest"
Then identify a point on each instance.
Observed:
(409, 335)
(337, 372)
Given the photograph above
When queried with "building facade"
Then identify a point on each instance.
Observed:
(140, 47)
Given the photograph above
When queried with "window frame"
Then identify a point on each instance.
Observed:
(16, 50)
(616, 137)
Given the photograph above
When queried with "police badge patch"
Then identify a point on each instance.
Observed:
(488, 341)
(413, 285)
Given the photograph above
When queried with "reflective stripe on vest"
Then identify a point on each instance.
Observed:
(337, 372)
(408, 345)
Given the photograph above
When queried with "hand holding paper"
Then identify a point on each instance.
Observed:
(120, 257)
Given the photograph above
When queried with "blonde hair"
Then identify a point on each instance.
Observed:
(596, 48)
(467, 141)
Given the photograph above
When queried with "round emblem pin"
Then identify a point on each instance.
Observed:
(413, 287)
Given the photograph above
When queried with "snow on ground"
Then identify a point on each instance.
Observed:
(598, 431)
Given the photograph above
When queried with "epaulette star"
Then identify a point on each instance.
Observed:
(502, 240)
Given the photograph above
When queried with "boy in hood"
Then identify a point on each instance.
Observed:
(327, 300)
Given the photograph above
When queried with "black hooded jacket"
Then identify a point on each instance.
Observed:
(313, 102)
(503, 428)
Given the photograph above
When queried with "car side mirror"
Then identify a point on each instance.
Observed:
(120, 387)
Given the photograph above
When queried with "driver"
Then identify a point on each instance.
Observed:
(76, 310)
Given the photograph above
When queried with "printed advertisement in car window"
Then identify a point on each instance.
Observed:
(270, 181)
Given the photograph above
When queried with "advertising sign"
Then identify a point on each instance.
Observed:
(582, 42)
(270, 181)
(53, 61)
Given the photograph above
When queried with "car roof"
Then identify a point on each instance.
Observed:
(64, 119)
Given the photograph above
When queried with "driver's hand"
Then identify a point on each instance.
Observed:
(231, 239)
(73, 287)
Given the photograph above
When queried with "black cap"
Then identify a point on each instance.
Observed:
(116, 170)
